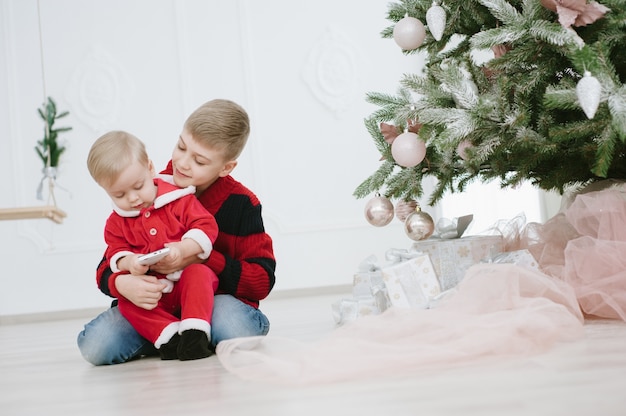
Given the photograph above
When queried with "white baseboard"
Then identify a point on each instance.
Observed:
(310, 291)
(27, 318)
(89, 313)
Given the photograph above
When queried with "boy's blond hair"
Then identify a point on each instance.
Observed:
(111, 153)
(222, 125)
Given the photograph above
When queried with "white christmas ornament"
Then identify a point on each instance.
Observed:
(409, 33)
(588, 91)
(436, 20)
(408, 150)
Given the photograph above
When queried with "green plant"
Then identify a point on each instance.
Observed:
(49, 149)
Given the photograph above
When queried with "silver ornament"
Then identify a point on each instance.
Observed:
(588, 91)
(379, 211)
(436, 20)
(419, 225)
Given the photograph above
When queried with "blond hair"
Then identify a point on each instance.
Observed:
(220, 124)
(111, 153)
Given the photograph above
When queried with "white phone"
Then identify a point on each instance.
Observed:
(155, 256)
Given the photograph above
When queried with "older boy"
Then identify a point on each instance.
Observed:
(242, 257)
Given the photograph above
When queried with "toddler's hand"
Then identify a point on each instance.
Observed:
(135, 267)
(173, 261)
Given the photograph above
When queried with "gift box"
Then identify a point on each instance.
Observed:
(346, 310)
(452, 257)
(369, 294)
(411, 283)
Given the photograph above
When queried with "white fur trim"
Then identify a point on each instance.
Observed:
(123, 213)
(166, 198)
(174, 277)
(201, 238)
(167, 334)
(169, 285)
(195, 323)
(167, 178)
(116, 257)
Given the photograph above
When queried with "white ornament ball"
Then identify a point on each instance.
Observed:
(419, 225)
(409, 33)
(379, 211)
(408, 150)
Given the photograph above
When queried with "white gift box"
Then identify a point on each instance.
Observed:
(452, 257)
(346, 310)
(411, 283)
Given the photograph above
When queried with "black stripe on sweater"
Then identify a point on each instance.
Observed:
(269, 265)
(231, 220)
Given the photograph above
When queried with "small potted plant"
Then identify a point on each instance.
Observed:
(49, 149)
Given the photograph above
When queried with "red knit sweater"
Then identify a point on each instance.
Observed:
(242, 256)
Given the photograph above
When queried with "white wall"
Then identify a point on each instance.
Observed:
(301, 69)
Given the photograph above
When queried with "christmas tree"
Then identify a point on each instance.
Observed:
(547, 105)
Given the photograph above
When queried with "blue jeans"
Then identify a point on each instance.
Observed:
(110, 339)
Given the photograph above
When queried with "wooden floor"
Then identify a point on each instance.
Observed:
(42, 373)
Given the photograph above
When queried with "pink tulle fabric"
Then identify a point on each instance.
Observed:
(585, 246)
(498, 310)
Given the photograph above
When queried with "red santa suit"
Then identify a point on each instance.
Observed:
(176, 214)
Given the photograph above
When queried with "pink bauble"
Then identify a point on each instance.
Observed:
(379, 211)
(461, 149)
(404, 209)
(409, 33)
(419, 225)
(408, 150)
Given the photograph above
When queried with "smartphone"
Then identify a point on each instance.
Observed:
(155, 256)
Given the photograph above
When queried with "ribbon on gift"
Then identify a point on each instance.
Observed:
(454, 228)
(522, 258)
(369, 264)
(398, 255)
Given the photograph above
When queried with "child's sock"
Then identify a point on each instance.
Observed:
(194, 344)
(169, 350)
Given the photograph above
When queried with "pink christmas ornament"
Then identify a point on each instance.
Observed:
(409, 33)
(408, 150)
(404, 209)
(419, 225)
(379, 211)
(461, 149)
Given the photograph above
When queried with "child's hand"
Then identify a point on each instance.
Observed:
(143, 291)
(134, 267)
(182, 254)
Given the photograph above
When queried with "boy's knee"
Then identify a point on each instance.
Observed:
(92, 352)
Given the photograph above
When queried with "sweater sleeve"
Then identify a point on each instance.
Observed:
(105, 278)
(243, 257)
